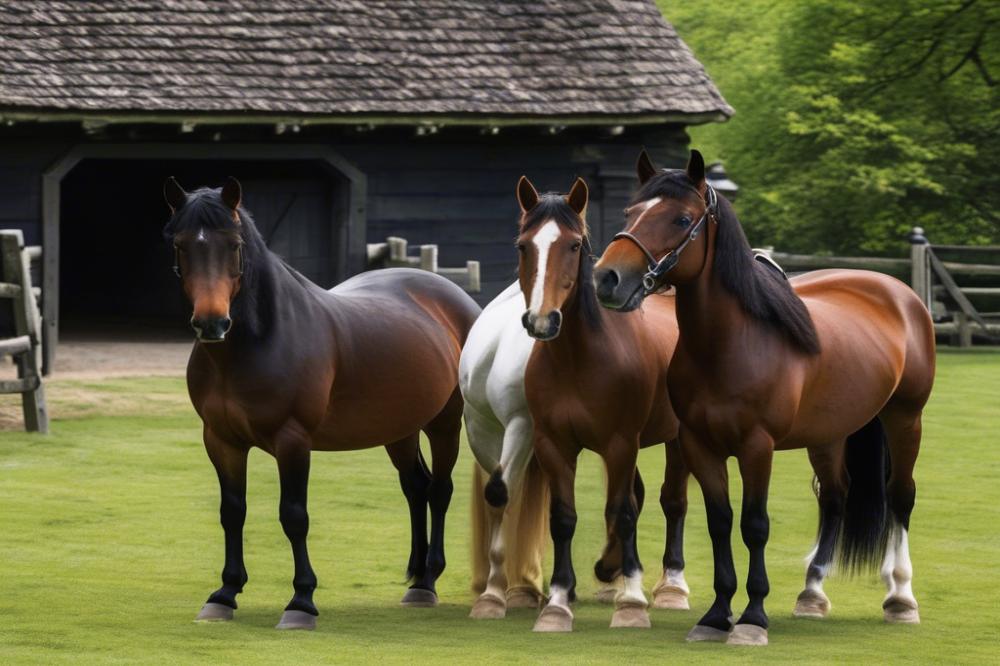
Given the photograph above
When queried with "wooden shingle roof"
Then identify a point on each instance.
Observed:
(420, 58)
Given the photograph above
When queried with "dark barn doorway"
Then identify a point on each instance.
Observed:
(115, 277)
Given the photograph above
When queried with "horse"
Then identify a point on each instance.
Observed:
(507, 554)
(595, 380)
(839, 362)
(281, 364)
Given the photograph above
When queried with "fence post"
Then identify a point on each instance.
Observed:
(920, 275)
(429, 258)
(397, 250)
(475, 283)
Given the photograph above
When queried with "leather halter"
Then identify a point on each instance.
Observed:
(239, 261)
(660, 267)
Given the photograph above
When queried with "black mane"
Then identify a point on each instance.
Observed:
(553, 206)
(764, 294)
(204, 208)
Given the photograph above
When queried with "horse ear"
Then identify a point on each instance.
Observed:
(527, 195)
(644, 167)
(577, 197)
(174, 193)
(232, 193)
(696, 168)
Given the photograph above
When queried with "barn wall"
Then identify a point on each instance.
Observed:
(461, 195)
(453, 191)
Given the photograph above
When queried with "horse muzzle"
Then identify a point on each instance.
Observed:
(211, 329)
(542, 328)
(617, 291)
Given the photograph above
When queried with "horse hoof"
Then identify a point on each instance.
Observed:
(811, 604)
(488, 607)
(747, 634)
(606, 594)
(634, 617)
(417, 597)
(671, 597)
(522, 597)
(554, 619)
(701, 633)
(212, 612)
(295, 619)
(901, 611)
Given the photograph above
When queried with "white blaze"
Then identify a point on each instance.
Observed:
(543, 242)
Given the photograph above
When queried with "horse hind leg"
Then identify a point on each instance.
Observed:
(444, 432)
(828, 464)
(671, 592)
(414, 479)
(903, 430)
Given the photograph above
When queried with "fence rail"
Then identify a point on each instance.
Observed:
(941, 285)
(394, 253)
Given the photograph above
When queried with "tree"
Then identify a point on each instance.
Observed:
(864, 119)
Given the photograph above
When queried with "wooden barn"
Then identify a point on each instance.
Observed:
(346, 122)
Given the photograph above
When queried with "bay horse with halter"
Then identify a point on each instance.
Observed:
(281, 364)
(595, 380)
(839, 362)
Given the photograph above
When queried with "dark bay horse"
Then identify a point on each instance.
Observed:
(283, 365)
(597, 380)
(838, 362)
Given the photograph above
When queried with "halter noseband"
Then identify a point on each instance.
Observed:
(660, 267)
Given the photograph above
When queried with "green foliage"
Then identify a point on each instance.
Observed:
(110, 542)
(855, 121)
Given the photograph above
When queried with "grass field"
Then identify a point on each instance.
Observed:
(109, 544)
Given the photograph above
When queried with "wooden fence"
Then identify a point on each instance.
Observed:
(963, 296)
(395, 253)
(25, 345)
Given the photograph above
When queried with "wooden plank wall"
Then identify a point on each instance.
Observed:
(459, 195)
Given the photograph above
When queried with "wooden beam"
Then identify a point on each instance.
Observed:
(355, 119)
(953, 290)
(26, 385)
(13, 346)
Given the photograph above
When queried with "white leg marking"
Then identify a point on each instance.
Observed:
(675, 577)
(543, 240)
(631, 593)
(902, 572)
(558, 596)
(889, 563)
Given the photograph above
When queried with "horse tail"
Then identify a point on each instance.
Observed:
(865, 529)
(480, 531)
(526, 532)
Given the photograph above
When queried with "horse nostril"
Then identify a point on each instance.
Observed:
(526, 320)
(611, 278)
(226, 324)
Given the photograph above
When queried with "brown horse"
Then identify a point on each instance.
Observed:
(281, 364)
(837, 362)
(597, 382)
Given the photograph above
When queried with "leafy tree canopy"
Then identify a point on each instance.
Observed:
(855, 120)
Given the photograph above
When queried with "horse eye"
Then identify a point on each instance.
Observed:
(520, 247)
(576, 246)
(684, 222)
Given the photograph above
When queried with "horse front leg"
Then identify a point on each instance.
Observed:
(292, 449)
(754, 458)
(709, 468)
(560, 468)
(231, 467)
(622, 511)
(672, 591)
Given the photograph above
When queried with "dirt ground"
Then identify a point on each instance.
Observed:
(74, 388)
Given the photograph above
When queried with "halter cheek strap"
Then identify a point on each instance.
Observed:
(657, 268)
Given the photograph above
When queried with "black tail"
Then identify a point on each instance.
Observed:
(865, 528)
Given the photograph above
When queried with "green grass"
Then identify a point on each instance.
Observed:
(109, 543)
